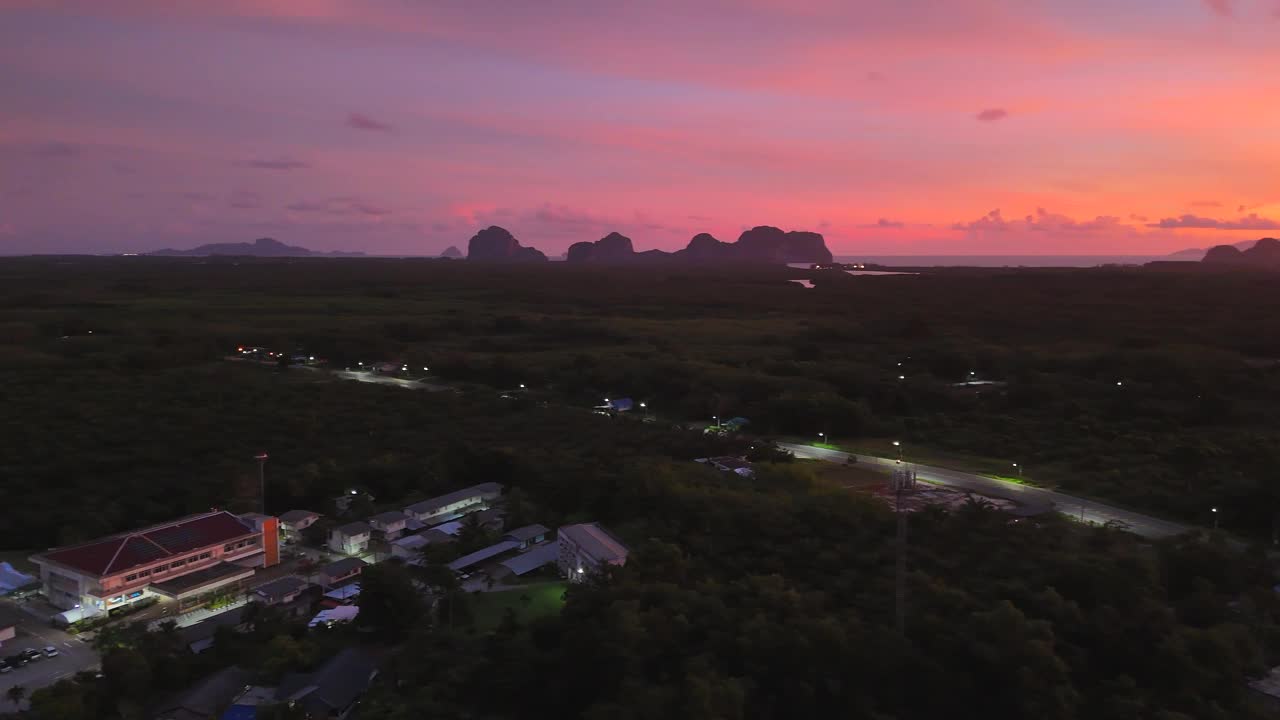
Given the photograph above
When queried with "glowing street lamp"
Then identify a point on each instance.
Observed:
(822, 437)
(645, 408)
(899, 446)
(1215, 517)
(1017, 469)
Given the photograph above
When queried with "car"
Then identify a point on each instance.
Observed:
(5, 667)
(32, 654)
(16, 661)
(51, 651)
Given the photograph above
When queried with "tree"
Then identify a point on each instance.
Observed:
(390, 603)
(16, 695)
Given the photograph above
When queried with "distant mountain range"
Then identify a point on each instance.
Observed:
(262, 247)
(763, 244)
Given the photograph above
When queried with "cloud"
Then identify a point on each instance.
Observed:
(1204, 203)
(345, 205)
(358, 121)
(57, 150)
(1221, 8)
(1252, 221)
(1042, 221)
(884, 223)
(280, 163)
(244, 200)
(992, 115)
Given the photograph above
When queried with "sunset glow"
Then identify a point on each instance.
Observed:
(403, 126)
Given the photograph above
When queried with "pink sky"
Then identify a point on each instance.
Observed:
(403, 126)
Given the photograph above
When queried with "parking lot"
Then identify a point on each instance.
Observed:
(73, 655)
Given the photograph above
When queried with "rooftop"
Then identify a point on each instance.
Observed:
(280, 587)
(354, 528)
(201, 579)
(532, 560)
(595, 541)
(334, 686)
(388, 517)
(411, 542)
(528, 532)
(294, 516)
(457, 496)
(118, 553)
(340, 568)
(479, 556)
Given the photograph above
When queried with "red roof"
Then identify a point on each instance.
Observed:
(146, 547)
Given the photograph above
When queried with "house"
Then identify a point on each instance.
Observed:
(333, 690)
(345, 595)
(115, 571)
(528, 536)
(343, 501)
(409, 547)
(199, 637)
(334, 615)
(586, 549)
(280, 591)
(455, 504)
(207, 698)
(340, 571)
(294, 522)
(390, 525)
(350, 539)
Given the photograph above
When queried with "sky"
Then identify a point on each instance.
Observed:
(403, 126)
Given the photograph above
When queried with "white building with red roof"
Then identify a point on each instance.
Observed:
(585, 549)
(115, 571)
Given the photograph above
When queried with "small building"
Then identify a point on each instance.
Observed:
(409, 547)
(345, 595)
(343, 501)
(728, 463)
(294, 522)
(340, 571)
(390, 524)
(280, 591)
(350, 539)
(333, 616)
(333, 690)
(528, 536)
(455, 504)
(479, 556)
(199, 637)
(586, 549)
(207, 698)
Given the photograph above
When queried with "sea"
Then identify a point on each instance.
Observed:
(998, 260)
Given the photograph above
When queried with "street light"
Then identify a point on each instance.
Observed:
(716, 419)
(821, 437)
(1215, 517)
(1017, 469)
(899, 446)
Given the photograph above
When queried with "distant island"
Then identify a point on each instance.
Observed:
(1264, 253)
(262, 247)
(762, 244)
(1199, 253)
(452, 252)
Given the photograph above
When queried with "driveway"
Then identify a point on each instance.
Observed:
(73, 655)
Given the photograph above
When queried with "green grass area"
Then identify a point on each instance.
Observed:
(542, 600)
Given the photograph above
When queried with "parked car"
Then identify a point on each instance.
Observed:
(31, 654)
(51, 651)
(5, 667)
(16, 661)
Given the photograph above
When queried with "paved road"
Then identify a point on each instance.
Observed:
(1080, 509)
(369, 377)
(73, 655)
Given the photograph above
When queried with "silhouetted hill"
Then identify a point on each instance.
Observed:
(1199, 253)
(262, 247)
(452, 252)
(759, 244)
(1264, 253)
(495, 244)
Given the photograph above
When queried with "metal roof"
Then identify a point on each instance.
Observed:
(457, 496)
(532, 560)
(119, 553)
(479, 556)
(528, 532)
(595, 541)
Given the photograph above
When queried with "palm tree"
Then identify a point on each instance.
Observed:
(16, 695)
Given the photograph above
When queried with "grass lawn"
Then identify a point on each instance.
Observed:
(490, 607)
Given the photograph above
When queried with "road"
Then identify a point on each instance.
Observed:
(73, 655)
(1081, 509)
(370, 377)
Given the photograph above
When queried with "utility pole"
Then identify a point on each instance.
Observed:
(262, 480)
(903, 479)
